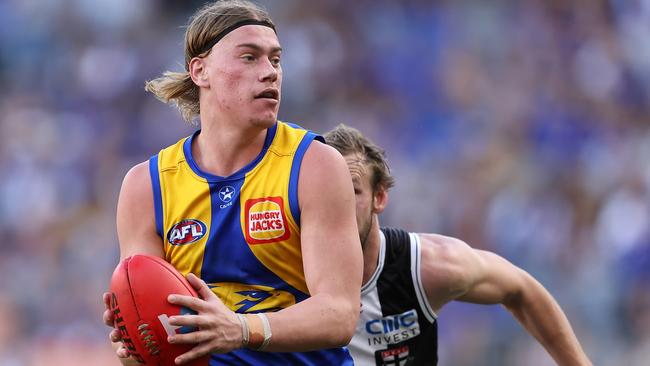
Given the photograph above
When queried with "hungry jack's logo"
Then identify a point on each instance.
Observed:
(266, 221)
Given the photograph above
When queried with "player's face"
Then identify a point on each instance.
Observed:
(245, 76)
(363, 194)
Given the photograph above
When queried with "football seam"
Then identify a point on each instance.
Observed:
(182, 279)
(128, 278)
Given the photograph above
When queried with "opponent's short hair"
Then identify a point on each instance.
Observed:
(348, 140)
(206, 23)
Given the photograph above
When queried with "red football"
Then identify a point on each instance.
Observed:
(140, 286)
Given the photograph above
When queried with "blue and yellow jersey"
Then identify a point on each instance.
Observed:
(240, 234)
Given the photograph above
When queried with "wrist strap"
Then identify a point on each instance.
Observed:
(259, 331)
(267, 331)
(245, 332)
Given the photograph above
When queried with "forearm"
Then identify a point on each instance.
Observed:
(543, 318)
(319, 322)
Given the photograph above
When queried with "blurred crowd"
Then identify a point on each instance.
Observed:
(521, 127)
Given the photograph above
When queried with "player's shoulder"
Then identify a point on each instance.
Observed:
(324, 175)
(442, 248)
(138, 173)
(320, 150)
(322, 160)
(136, 204)
(447, 267)
(137, 181)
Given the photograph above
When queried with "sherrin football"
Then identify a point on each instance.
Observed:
(139, 289)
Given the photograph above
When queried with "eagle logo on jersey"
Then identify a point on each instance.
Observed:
(244, 298)
(186, 232)
(266, 221)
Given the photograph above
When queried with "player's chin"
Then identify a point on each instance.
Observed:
(265, 120)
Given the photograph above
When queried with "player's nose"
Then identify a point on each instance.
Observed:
(269, 71)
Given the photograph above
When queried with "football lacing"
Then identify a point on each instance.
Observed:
(147, 337)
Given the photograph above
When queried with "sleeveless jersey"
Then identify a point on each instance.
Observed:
(240, 234)
(397, 325)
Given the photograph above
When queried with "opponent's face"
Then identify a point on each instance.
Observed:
(243, 76)
(363, 193)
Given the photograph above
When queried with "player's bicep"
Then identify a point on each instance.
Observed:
(136, 226)
(452, 270)
(497, 281)
(329, 236)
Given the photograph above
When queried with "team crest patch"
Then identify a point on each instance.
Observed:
(266, 221)
(394, 356)
(186, 232)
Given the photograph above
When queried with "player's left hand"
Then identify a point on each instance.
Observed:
(115, 335)
(219, 329)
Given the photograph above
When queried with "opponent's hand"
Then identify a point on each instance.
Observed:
(115, 335)
(219, 329)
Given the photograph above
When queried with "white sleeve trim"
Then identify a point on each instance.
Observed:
(417, 280)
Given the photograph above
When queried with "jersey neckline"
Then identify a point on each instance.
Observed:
(380, 264)
(187, 151)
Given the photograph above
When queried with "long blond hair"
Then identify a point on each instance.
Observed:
(177, 88)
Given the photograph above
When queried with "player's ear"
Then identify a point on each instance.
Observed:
(379, 199)
(198, 72)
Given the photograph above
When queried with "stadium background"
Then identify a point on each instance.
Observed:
(521, 127)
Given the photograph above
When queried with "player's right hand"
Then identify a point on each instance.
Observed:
(115, 335)
(219, 328)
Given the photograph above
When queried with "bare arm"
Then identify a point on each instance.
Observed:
(332, 258)
(136, 233)
(136, 226)
(451, 270)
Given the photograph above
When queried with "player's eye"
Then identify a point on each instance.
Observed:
(248, 57)
(275, 61)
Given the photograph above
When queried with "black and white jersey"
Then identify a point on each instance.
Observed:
(397, 325)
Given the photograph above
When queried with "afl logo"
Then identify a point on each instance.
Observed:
(186, 232)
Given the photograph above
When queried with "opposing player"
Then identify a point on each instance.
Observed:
(409, 277)
(258, 214)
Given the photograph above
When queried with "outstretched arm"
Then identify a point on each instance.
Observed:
(451, 270)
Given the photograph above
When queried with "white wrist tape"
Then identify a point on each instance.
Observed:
(244, 330)
(267, 331)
